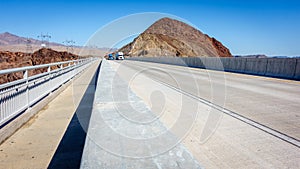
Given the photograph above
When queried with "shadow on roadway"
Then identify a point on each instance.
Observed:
(70, 149)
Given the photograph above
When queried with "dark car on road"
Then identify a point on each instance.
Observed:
(111, 57)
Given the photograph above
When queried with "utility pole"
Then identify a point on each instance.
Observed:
(94, 50)
(28, 45)
(69, 44)
(45, 39)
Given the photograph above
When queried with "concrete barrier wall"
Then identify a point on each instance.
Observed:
(285, 68)
(288, 68)
(256, 66)
(297, 70)
(234, 65)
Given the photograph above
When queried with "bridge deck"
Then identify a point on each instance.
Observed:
(220, 135)
(125, 133)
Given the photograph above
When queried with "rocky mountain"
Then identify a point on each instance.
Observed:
(169, 37)
(20, 59)
(7, 38)
(14, 43)
(252, 56)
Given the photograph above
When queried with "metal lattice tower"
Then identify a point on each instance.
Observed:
(45, 39)
(28, 45)
(70, 45)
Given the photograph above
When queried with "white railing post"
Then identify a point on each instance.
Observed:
(25, 76)
(49, 78)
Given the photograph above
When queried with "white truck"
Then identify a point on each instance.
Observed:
(120, 56)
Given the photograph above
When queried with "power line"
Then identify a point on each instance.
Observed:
(70, 45)
(45, 39)
(28, 45)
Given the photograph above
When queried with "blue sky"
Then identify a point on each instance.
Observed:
(269, 27)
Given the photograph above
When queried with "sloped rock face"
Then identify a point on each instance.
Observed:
(221, 49)
(18, 59)
(169, 37)
(12, 60)
(158, 45)
(8, 38)
(44, 56)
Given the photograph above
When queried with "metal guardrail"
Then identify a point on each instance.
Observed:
(19, 95)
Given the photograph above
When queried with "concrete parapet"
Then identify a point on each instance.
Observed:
(288, 68)
(284, 68)
(256, 66)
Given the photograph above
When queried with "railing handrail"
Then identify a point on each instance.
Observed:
(20, 69)
(19, 95)
(19, 81)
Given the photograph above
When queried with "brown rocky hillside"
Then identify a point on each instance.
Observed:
(19, 59)
(169, 37)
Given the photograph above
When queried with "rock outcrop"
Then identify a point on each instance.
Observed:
(18, 59)
(169, 37)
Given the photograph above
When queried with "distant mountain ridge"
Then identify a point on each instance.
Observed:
(7, 38)
(170, 37)
(14, 43)
(252, 56)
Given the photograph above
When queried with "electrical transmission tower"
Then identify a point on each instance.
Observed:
(92, 49)
(45, 39)
(28, 45)
(70, 45)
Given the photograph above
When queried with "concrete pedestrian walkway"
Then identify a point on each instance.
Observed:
(36, 143)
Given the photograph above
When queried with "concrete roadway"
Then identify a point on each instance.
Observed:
(124, 133)
(215, 139)
(272, 102)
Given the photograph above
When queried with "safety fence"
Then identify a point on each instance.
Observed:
(19, 95)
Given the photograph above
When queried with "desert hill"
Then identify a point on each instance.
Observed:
(15, 43)
(7, 38)
(169, 37)
(20, 59)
